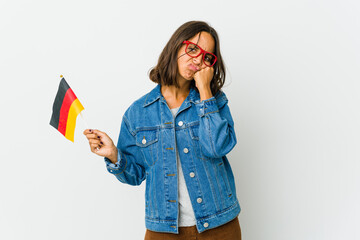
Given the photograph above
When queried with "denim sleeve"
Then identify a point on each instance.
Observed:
(129, 167)
(216, 128)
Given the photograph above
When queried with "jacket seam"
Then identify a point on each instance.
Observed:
(219, 213)
(124, 167)
(211, 112)
(211, 140)
(128, 125)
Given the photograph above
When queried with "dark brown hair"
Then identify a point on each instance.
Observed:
(166, 70)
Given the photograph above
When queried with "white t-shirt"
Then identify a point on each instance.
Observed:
(186, 212)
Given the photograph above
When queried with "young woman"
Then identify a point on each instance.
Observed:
(177, 137)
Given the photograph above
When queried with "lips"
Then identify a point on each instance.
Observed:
(193, 67)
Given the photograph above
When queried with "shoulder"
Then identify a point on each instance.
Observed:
(221, 98)
(220, 95)
(138, 106)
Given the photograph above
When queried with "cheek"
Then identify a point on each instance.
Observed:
(183, 70)
(181, 64)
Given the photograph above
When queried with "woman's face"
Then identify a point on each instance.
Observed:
(188, 66)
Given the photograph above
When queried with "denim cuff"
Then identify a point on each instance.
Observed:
(118, 167)
(207, 106)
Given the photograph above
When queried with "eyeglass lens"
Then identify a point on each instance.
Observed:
(193, 50)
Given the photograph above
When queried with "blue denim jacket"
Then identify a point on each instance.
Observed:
(203, 133)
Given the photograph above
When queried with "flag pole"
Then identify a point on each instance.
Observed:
(86, 124)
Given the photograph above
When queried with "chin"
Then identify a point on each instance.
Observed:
(190, 77)
(187, 75)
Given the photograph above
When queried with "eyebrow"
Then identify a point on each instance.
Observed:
(196, 44)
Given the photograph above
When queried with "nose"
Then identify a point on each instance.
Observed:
(198, 60)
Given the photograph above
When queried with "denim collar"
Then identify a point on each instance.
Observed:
(155, 94)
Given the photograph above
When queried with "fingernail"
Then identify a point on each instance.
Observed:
(90, 130)
(101, 142)
(98, 136)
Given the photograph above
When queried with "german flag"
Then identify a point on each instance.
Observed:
(65, 110)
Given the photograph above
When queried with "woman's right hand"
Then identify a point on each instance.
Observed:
(101, 144)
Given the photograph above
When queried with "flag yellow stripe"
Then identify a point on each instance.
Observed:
(74, 111)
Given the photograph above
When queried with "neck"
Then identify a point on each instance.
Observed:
(172, 92)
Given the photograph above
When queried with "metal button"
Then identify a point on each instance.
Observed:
(199, 200)
(180, 123)
(206, 224)
(143, 141)
(192, 174)
(186, 150)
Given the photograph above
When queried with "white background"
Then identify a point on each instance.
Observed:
(293, 89)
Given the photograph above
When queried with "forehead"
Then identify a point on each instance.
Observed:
(205, 41)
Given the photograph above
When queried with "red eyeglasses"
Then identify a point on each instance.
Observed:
(193, 50)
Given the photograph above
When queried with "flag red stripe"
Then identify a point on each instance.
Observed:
(64, 111)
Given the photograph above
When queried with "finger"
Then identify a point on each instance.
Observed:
(95, 147)
(91, 136)
(103, 137)
(100, 133)
(95, 150)
(94, 141)
(87, 131)
(208, 68)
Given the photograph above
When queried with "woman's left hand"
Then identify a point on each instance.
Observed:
(203, 78)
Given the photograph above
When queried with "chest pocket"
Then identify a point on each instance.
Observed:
(147, 140)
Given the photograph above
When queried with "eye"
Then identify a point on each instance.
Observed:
(192, 48)
(208, 58)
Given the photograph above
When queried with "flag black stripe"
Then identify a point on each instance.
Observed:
(63, 87)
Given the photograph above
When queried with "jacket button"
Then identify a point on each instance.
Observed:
(143, 141)
(199, 200)
(192, 174)
(206, 225)
(186, 150)
(180, 123)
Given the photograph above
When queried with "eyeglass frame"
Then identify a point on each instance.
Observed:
(201, 52)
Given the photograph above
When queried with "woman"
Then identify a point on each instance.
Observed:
(176, 137)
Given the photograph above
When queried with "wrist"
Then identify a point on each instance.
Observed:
(205, 93)
(114, 155)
